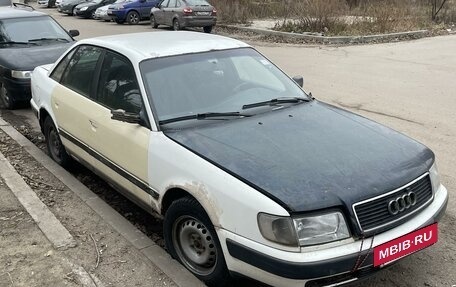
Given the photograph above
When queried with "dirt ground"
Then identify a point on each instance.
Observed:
(119, 265)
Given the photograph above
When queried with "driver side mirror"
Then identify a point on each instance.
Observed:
(299, 80)
(73, 33)
(123, 116)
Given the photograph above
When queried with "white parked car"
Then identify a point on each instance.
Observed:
(252, 175)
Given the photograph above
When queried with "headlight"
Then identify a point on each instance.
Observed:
(323, 228)
(308, 230)
(83, 9)
(435, 178)
(21, 74)
(278, 229)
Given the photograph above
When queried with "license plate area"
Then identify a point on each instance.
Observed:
(410, 243)
(203, 13)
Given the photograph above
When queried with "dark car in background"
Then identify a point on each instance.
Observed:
(184, 13)
(69, 6)
(131, 11)
(87, 9)
(28, 39)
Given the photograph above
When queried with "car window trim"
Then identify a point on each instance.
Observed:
(74, 50)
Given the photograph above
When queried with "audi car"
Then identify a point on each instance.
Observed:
(252, 174)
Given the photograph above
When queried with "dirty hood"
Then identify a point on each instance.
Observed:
(27, 58)
(310, 156)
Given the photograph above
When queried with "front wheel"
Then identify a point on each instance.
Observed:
(74, 11)
(6, 98)
(54, 145)
(207, 29)
(153, 22)
(132, 18)
(191, 239)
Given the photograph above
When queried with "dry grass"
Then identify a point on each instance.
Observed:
(337, 17)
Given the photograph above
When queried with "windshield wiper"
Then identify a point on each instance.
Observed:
(50, 39)
(276, 101)
(202, 116)
(17, 43)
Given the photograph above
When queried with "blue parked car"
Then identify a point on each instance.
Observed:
(131, 11)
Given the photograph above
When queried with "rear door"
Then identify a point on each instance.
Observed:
(71, 100)
(169, 12)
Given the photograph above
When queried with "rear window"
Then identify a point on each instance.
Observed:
(197, 3)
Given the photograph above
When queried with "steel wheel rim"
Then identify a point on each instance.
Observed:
(176, 25)
(194, 245)
(133, 18)
(54, 143)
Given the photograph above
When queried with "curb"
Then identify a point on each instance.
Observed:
(159, 257)
(51, 227)
(331, 40)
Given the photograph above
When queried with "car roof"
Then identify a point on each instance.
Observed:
(18, 12)
(146, 45)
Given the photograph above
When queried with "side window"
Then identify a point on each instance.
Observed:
(172, 4)
(60, 69)
(118, 88)
(178, 3)
(164, 4)
(81, 70)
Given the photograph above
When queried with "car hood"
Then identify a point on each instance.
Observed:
(310, 156)
(27, 59)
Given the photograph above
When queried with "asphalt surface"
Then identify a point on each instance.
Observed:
(409, 86)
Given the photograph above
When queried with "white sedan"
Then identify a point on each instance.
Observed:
(252, 175)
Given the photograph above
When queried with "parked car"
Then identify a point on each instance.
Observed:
(69, 6)
(47, 3)
(28, 39)
(131, 11)
(87, 9)
(102, 12)
(252, 175)
(184, 13)
(5, 3)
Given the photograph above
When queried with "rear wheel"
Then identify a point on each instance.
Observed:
(176, 25)
(6, 98)
(54, 145)
(153, 23)
(207, 29)
(191, 239)
(74, 11)
(92, 15)
(132, 18)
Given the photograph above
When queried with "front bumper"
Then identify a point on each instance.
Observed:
(314, 266)
(18, 89)
(67, 9)
(85, 13)
(119, 15)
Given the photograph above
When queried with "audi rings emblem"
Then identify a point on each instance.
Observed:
(402, 203)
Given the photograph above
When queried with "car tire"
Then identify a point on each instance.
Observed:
(133, 18)
(54, 145)
(191, 239)
(207, 29)
(176, 25)
(119, 21)
(92, 15)
(73, 13)
(7, 99)
(153, 23)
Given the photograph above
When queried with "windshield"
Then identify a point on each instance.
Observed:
(25, 29)
(216, 81)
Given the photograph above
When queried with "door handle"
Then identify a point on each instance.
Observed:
(93, 124)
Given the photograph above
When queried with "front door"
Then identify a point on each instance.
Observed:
(122, 147)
